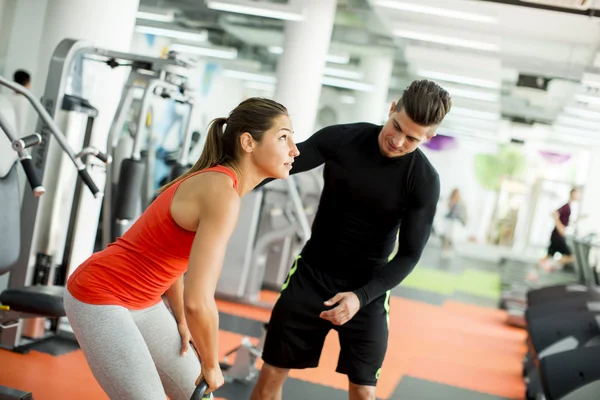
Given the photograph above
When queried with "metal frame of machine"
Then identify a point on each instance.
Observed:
(35, 262)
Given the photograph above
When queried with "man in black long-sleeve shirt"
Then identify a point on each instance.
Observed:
(377, 182)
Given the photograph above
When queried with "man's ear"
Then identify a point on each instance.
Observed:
(432, 133)
(246, 142)
(428, 138)
(392, 109)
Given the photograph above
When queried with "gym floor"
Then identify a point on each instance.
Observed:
(447, 341)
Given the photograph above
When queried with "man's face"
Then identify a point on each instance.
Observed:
(401, 135)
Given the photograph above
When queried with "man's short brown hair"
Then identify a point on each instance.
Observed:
(425, 102)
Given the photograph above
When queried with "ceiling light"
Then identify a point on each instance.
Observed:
(466, 80)
(275, 50)
(347, 84)
(468, 112)
(327, 81)
(342, 73)
(265, 87)
(467, 121)
(559, 130)
(590, 80)
(347, 99)
(456, 91)
(467, 132)
(248, 76)
(173, 33)
(440, 12)
(584, 98)
(337, 58)
(261, 9)
(331, 58)
(168, 16)
(442, 39)
(580, 112)
(228, 53)
(578, 122)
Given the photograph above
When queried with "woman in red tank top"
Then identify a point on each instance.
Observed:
(135, 347)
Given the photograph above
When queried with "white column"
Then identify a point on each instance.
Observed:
(7, 13)
(371, 106)
(300, 69)
(107, 24)
(25, 37)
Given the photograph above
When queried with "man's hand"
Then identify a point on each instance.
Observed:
(347, 306)
(186, 337)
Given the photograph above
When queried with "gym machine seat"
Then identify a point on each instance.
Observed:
(552, 293)
(567, 305)
(36, 300)
(554, 331)
(44, 301)
(17, 303)
(571, 375)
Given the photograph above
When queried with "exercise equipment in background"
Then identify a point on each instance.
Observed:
(20, 303)
(67, 213)
(563, 326)
(273, 226)
(132, 140)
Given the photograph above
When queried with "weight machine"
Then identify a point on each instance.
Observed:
(50, 225)
(133, 192)
(22, 301)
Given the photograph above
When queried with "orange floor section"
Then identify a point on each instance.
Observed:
(459, 345)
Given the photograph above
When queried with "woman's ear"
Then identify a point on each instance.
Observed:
(246, 142)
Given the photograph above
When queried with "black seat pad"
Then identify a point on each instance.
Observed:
(46, 301)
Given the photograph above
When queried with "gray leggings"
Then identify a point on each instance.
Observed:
(134, 354)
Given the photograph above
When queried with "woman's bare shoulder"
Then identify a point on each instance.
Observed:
(201, 195)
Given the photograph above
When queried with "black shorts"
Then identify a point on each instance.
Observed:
(296, 333)
(558, 244)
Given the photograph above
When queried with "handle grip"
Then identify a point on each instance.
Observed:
(32, 177)
(200, 390)
(106, 159)
(26, 142)
(87, 179)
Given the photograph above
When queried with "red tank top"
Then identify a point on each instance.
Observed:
(137, 269)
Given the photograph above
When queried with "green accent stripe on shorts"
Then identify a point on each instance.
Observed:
(292, 271)
(386, 305)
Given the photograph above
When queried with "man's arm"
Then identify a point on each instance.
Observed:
(414, 234)
(315, 150)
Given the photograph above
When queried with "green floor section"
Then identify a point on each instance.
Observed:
(433, 280)
(479, 283)
(470, 281)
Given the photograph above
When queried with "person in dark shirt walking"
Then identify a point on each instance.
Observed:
(558, 243)
(378, 187)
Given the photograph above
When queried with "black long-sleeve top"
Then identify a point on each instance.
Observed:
(367, 198)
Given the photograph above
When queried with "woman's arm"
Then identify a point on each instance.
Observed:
(220, 206)
(175, 298)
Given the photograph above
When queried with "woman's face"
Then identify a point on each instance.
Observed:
(275, 153)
